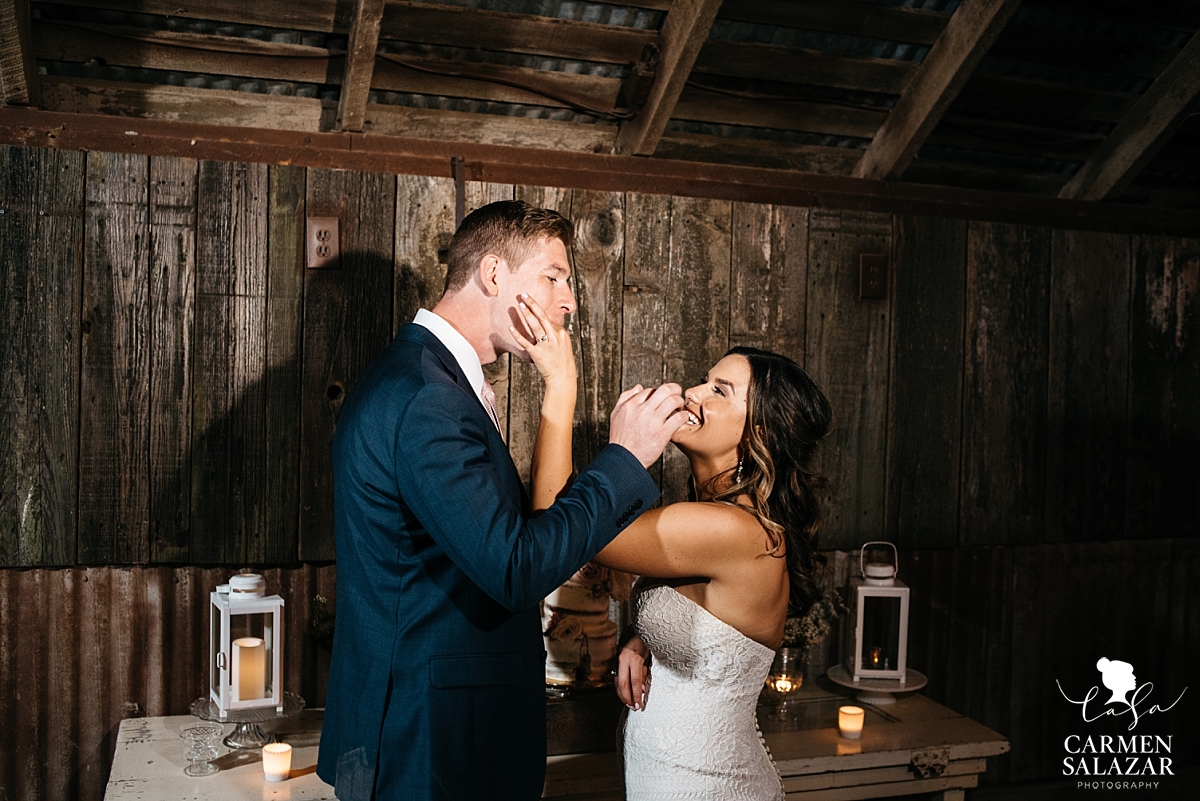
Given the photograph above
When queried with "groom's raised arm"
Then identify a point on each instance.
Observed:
(452, 485)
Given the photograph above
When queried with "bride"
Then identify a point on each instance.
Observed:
(727, 566)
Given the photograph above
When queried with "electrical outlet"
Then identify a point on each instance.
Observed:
(872, 276)
(323, 249)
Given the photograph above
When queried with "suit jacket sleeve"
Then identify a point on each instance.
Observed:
(456, 487)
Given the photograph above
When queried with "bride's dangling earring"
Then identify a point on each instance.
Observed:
(737, 475)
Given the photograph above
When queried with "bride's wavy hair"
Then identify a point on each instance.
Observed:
(787, 414)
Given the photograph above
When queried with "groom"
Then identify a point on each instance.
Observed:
(436, 688)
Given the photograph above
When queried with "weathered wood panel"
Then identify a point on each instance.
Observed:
(1164, 384)
(1088, 406)
(599, 219)
(525, 386)
(348, 321)
(285, 336)
(114, 441)
(768, 286)
(697, 315)
(228, 437)
(173, 188)
(646, 286)
(847, 354)
(82, 648)
(1004, 406)
(925, 406)
(424, 226)
(41, 254)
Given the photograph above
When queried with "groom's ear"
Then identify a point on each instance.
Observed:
(489, 274)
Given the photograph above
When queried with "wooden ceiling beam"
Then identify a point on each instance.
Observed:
(360, 64)
(1154, 118)
(18, 71)
(584, 170)
(935, 84)
(684, 31)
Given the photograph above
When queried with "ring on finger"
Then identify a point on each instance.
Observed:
(544, 338)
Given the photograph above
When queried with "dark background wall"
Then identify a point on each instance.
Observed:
(1021, 416)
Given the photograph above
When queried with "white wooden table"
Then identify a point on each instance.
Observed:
(148, 764)
(818, 765)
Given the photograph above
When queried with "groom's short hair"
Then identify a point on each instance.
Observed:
(510, 229)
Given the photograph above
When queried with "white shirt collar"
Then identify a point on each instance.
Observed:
(457, 344)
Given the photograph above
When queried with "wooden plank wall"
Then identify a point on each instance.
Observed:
(1019, 416)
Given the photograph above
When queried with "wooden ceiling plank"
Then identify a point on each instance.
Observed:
(360, 64)
(792, 65)
(846, 17)
(18, 71)
(461, 126)
(182, 103)
(766, 153)
(811, 116)
(457, 26)
(935, 84)
(305, 15)
(1150, 123)
(684, 31)
(293, 63)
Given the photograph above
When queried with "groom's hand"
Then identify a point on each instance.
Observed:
(644, 420)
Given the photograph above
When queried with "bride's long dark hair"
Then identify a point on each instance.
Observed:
(787, 414)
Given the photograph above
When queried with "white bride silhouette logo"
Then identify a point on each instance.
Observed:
(1118, 677)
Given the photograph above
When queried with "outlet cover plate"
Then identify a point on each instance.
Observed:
(321, 243)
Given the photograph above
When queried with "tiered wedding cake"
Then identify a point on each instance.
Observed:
(580, 636)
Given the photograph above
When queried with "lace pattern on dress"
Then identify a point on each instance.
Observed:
(697, 736)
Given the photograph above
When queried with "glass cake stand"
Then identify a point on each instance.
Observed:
(877, 691)
(246, 731)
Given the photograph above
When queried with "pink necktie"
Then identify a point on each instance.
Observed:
(489, 403)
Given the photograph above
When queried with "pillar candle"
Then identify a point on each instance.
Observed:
(249, 669)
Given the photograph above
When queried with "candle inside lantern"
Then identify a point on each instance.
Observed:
(850, 721)
(249, 669)
(277, 761)
(782, 684)
(875, 652)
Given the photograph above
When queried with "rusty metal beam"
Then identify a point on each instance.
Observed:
(524, 165)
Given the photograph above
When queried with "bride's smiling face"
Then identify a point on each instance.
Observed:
(717, 410)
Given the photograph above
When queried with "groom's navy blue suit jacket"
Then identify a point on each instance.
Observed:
(436, 688)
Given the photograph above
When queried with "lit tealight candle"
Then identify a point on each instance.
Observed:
(277, 761)
(850, 722)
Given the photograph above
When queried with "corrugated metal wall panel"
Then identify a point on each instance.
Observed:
(83, 648)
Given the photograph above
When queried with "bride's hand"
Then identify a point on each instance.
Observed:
(633, 673)
(550, 347)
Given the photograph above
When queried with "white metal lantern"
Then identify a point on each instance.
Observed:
(246, 643)
(877, 645)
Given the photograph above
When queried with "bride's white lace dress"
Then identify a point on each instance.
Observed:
(697, 736)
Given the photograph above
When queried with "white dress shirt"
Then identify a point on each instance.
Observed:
(458, 346)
